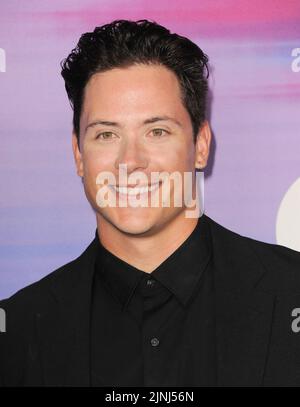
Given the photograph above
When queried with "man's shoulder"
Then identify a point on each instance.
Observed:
(283, 262)
(21, 307)
(37, 289)
(24, 309)
(38, 295)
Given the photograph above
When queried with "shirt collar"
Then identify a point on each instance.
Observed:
(179, 273)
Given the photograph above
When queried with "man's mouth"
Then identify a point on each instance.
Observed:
(125, 190)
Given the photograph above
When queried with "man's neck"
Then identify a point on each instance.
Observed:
(146, 253)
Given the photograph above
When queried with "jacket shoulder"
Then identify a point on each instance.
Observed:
(21, 312)
(282, 263)
(36, 291)
(37, 294)
(266, 248)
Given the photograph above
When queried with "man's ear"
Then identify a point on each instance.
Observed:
(77, 155)
(202, 145)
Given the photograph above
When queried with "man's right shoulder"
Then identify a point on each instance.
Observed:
(39, 293)
(35, 293)
(42, 299)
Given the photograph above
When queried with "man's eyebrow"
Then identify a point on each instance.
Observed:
(147, 121)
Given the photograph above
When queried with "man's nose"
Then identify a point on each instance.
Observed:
(133, 154)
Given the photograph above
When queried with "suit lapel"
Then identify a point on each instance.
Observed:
(63, 331)
(243, 312)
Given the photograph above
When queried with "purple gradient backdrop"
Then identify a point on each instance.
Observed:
(46, 220)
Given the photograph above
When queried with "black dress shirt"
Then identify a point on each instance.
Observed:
(158, 328)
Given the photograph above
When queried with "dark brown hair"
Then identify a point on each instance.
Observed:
(123, 43)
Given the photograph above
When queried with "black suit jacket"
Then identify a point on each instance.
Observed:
(46, 342)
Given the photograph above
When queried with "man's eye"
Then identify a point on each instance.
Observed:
(157, 132)
(103, 135)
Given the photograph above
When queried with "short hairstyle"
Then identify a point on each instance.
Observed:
(124, 43)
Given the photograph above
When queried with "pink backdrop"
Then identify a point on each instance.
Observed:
(253, 47)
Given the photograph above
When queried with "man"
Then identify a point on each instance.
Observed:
(159, 297)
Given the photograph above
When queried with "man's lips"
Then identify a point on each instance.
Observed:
(135, 185)
(136, 189)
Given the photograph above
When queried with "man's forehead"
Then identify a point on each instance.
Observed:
(140, 104)
(140, 79)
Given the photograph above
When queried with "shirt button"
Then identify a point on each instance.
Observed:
(154, 342)
(150, 282)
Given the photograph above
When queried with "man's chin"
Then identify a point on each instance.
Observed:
(131, 222)
(136, 226)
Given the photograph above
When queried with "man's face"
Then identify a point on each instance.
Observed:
(129, 97)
